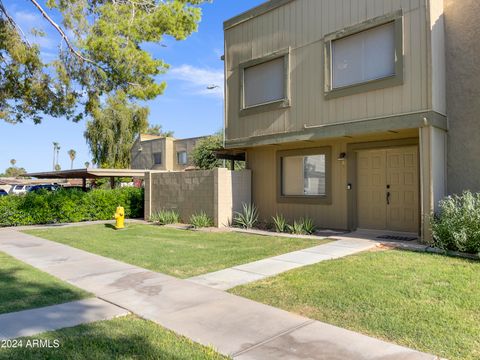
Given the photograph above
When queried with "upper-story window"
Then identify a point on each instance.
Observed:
(365, 57)
(157, 158)
(265, 83)
(182, 158)
(369, 55)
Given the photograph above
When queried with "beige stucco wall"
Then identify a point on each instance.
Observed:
(301, 26)
(218, 192)
(262, 162)
(463, 94)
(144, 159)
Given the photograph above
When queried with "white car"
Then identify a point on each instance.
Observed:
(19, 189)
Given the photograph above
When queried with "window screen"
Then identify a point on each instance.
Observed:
(303, 175)
(365, 56)
(157, 158)
(264, 83)
(182, 157)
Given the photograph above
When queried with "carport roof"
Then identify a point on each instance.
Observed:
(88, 173)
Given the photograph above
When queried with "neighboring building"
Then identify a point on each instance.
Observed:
(341, 108)
(152, 152)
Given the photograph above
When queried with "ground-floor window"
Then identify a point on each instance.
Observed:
(304, 174)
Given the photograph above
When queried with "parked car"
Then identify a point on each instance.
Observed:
(3, 192)
(20, 189)
(47, 187)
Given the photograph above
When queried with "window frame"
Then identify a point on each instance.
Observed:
(306, 199)
(161, 158)
(394, 80)
(271, 105)
(178, 157)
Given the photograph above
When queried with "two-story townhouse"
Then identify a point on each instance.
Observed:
(341, 109)
(162, 153)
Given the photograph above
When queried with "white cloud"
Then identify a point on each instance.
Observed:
(198, 79)
(29, 20)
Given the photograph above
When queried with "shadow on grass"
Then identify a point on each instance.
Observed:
(126, 338)
(22, 288)
(110, 226)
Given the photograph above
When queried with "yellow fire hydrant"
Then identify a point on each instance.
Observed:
(120, 218)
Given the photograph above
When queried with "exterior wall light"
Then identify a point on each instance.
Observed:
(342, 156)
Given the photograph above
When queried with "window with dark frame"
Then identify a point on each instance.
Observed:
(157, 158)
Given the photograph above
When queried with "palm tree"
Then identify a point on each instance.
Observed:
(72, 153)
(57, 167)
(87, 164)
(58, 151)
(55, 145)
(13, 162)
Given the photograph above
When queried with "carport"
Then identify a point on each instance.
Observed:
(89, 173)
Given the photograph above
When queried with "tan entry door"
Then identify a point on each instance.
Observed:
(388, 188)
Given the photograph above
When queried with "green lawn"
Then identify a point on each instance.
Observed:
(122, 338)
(24, 287)
(424, 301)
(176, 252)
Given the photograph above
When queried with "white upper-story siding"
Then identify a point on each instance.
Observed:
(301, 25)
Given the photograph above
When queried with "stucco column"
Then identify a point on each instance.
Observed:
(433, 167)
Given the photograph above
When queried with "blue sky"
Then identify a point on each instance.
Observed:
(187, 107)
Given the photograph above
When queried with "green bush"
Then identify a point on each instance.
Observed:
(296, 228)
(201, 220)
(165, 217)
(457, 225)
(69, 206)
(248, 218)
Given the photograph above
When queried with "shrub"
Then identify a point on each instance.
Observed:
(308, 225)
(457, 225)
(304, 226)
(280, 223)
(201, 220)
(296, 228)
(165, 217)
(247, 218)
(69, 206)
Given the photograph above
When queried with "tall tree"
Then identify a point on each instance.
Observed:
(87, 164)
(58, 167)
(58, 152)
(101, 53)
(55, 145)
(72, 154)
(112, 131)
(13, 162)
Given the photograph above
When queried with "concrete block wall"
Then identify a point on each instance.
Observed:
(218, 192)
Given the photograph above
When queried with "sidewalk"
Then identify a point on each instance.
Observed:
(35, 321)
(235, 326)
(244, 274)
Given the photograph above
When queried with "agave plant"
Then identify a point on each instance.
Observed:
(280, 223)
(247, 218)
(201, 220)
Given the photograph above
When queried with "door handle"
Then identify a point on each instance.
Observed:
(388, 197)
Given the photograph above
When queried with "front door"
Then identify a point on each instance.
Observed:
(388, 189)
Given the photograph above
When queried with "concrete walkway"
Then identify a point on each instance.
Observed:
(233, 325)
(244, 274)
(35, 321)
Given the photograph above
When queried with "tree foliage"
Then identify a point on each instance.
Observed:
(112, 131)
(101, 55)
(14, 171)
(203, 155)
(158, 131)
